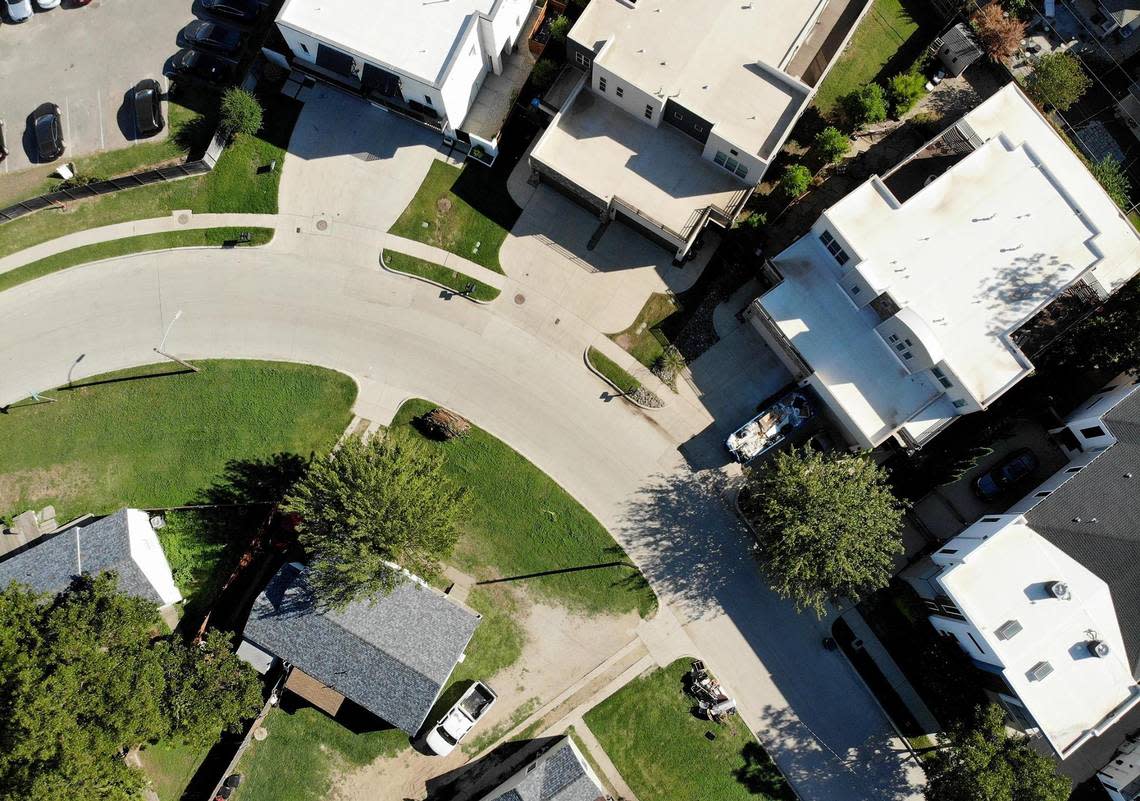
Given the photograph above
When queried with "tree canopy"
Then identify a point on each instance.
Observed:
(982, 763)
(999, 33)
(866, 105)
(828, 526)
(369, 506)
(1058, 80)
(833, 144)
(1114, 179)
(795, 180)
(240, 112)
(84, 677)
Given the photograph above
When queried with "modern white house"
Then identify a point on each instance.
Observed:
(123, 543)
(678, 111)
(901, 307)
(1045, 598)
(428, 60)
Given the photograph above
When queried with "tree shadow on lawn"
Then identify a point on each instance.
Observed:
(760, 775)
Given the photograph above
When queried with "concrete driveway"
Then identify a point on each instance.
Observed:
(323, 300)
(84, 59)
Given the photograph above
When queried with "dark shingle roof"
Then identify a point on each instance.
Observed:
(561, 776)
(1110, 547)
(1123, 12)
(959, 43)
(391, 655)
(51, 563)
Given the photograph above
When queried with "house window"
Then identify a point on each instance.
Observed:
(741, 171)
(1042, 495)
(949, 550)
(581, 60)
(1092, 432)
(893, 338)
(900, 347)
(991, 519)
(975, 642)
(942, 379)
(678, 115)
(908, 355)
(619, 91)
(1073, 470)
(531, 767)
(601, 84)
(427, 100)
(834, 248)
(304, 48)
(958, 404)
(855, 290)
(648, 111)
(698, 128)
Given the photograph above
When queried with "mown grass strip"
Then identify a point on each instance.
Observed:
(452, 279)
(197, 237)
(612, 371)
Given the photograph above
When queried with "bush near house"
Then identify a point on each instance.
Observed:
(795, 180)
(1058, 81)
(240, 112)
(832, 144)
(1114, 180)
(904, 90)
(865, 106)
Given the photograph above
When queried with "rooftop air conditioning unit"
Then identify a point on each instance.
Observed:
(1059, 589)
(1008, 629)
(1040, 671)
(1099, 648)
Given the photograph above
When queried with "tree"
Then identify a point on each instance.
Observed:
(240, 112)
(905, 89)
(828, 526)
(865, 106)
(1058, 80)
(543, 73)
(982, 763)
(208, 688)
(1107, 341)
(833, 144)
(559, 27)
(370, 506)
(1114, 180)
(795, 180)
(999, 34)
(83, 678)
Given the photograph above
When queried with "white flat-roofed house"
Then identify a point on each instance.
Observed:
(681, 107)
(900, 306)
(1046, 597)
(427, 59)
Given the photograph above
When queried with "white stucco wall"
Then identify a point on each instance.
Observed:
(756, 165)
(465, 77)
(633, 100)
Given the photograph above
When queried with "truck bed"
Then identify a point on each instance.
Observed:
(475, 702)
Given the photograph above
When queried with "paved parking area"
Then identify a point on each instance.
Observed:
(84, 59)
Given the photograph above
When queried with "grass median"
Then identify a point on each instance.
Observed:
(614, 373)
(452, 279)
(663, 752)
(642, 340)
(196, 237)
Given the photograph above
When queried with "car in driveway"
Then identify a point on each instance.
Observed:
(244, 11)
(1013, 471)
(18, 10)
(46, 5)
(204, 34)
(203, 66)
(47, 130)
(146, 102)
(442, 738)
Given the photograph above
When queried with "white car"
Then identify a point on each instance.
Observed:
(47, 5)
(460, 719)
(18, 10)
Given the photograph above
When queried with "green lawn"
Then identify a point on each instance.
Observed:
(452, 279)
(641, 339)
(296, 762)
(163, 441)
(660, 749)
(521, 522)
(197, 237)
(440, 217)
(171, 766)
(884, 29)
(237, 184)
(611, 370)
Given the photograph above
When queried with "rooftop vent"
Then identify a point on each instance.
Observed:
(1059, 589)
(1008, 630)
(1099, 648)
(1040, 671)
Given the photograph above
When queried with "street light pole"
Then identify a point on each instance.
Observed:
(159, 350)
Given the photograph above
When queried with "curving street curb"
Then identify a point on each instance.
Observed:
(454, 292)
(620, 391)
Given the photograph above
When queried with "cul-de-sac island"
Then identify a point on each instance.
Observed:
(569, 400)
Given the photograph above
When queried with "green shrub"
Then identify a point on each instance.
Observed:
(795, 180)
(866, 106)
(543, 74)
(833, 144)
(1114, 180)
(559, 27)
(905, 89)
(241, 113)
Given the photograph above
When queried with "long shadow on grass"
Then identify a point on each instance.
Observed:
(760, 775)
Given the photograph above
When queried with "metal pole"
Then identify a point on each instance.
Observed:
(159, 350)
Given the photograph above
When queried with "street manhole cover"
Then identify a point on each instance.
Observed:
(322, 225)
(444, 205)
(183, 219)
(520, 299)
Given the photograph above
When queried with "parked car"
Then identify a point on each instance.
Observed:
(1011, 472)
(18, 10)
(245, 11)
(205, 66)
(460, 719)
(47, 128)
(146, 100)
(208, 35)
(46, 5)
(3, 144)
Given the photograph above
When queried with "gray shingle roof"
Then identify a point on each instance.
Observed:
(1110, 547)
(959, 49)
(1123, 12)
(52, 562)
(391, 655)
(561, 776)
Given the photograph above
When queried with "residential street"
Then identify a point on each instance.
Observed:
(515, 369)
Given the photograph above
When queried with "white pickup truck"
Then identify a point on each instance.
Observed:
(460, 719)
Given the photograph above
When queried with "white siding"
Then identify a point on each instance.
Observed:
(632, 101)
(716, 143)
(464, 79)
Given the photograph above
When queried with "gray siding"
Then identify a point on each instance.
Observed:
(687, 122)
(587, 53)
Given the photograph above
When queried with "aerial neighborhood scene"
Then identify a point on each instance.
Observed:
(569, 400)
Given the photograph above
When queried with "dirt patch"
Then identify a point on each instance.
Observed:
(561, 648)
(28, 488)
(443, 205)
